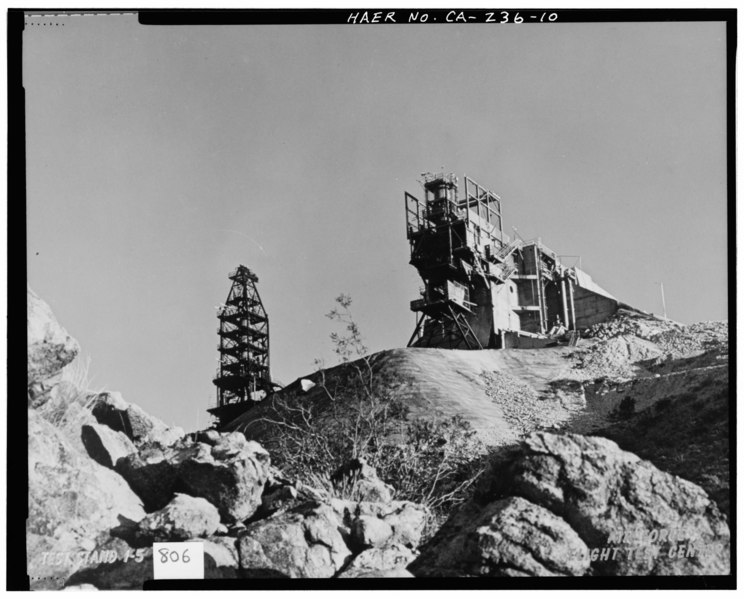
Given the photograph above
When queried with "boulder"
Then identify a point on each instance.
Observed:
(388, 561)
(184, 518)
(508, 537)
(230, 474)
(358, 480)
(660, 523)
(281, 494)
(405, 519)
(302, 543)
(209, 436)
(50, 348)
(105, 445)
(396, 573)
(229, 445)
(80, 587)
(73, 503)
(110, 409)
(542, 506)
(221, 559)
(278, 499)
(306, 385)
(68, 409)
(153, 475)
(370, 531)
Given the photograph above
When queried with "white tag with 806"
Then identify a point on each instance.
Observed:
(178, 560)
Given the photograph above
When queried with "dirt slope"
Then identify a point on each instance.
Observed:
(438, 383)
(685, 433)
(505, 394)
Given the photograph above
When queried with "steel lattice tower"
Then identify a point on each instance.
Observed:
(243, 376)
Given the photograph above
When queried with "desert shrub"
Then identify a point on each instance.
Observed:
(687, 396)
(663, 404)
(436, 465)
(314, 438)
(708, 381)
(625, 409)
(432, 462)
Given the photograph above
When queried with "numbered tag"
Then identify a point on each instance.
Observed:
(178, 560)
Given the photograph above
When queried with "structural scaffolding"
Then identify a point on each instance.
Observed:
(483, 289)
(453, 241)
(243, 375)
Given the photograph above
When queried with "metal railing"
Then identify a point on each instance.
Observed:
(447, 177)
(507, 270)
(243, 269)
(510, 247)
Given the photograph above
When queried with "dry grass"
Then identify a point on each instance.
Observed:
(72, 399)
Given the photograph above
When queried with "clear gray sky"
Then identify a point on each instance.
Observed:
(161, 158)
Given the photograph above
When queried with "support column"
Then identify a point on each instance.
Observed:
(540, 293)
(564, 302)
(573, 309)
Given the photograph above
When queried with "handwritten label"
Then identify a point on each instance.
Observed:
(176, 561)
(451, 16)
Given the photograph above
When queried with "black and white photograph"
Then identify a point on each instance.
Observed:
(361, 298)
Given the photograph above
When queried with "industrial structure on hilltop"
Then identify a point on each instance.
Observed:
(483, 289)
(243, 375)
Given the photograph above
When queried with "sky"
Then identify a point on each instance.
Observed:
(160, 158)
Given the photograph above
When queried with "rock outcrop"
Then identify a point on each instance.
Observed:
(229, 474)
(110, 409)
(404, 520)
(369, 531)
(184, 518)
(302, 543)
(507, 537)
(388, 561)
(607, 494)
(105, 445)
(98, 465)
(221, 559)
(73, 501)
(561, 498)
(50, 348)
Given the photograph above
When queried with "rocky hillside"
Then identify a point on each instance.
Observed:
(569, 505)
(106, 479)
(633, 373)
